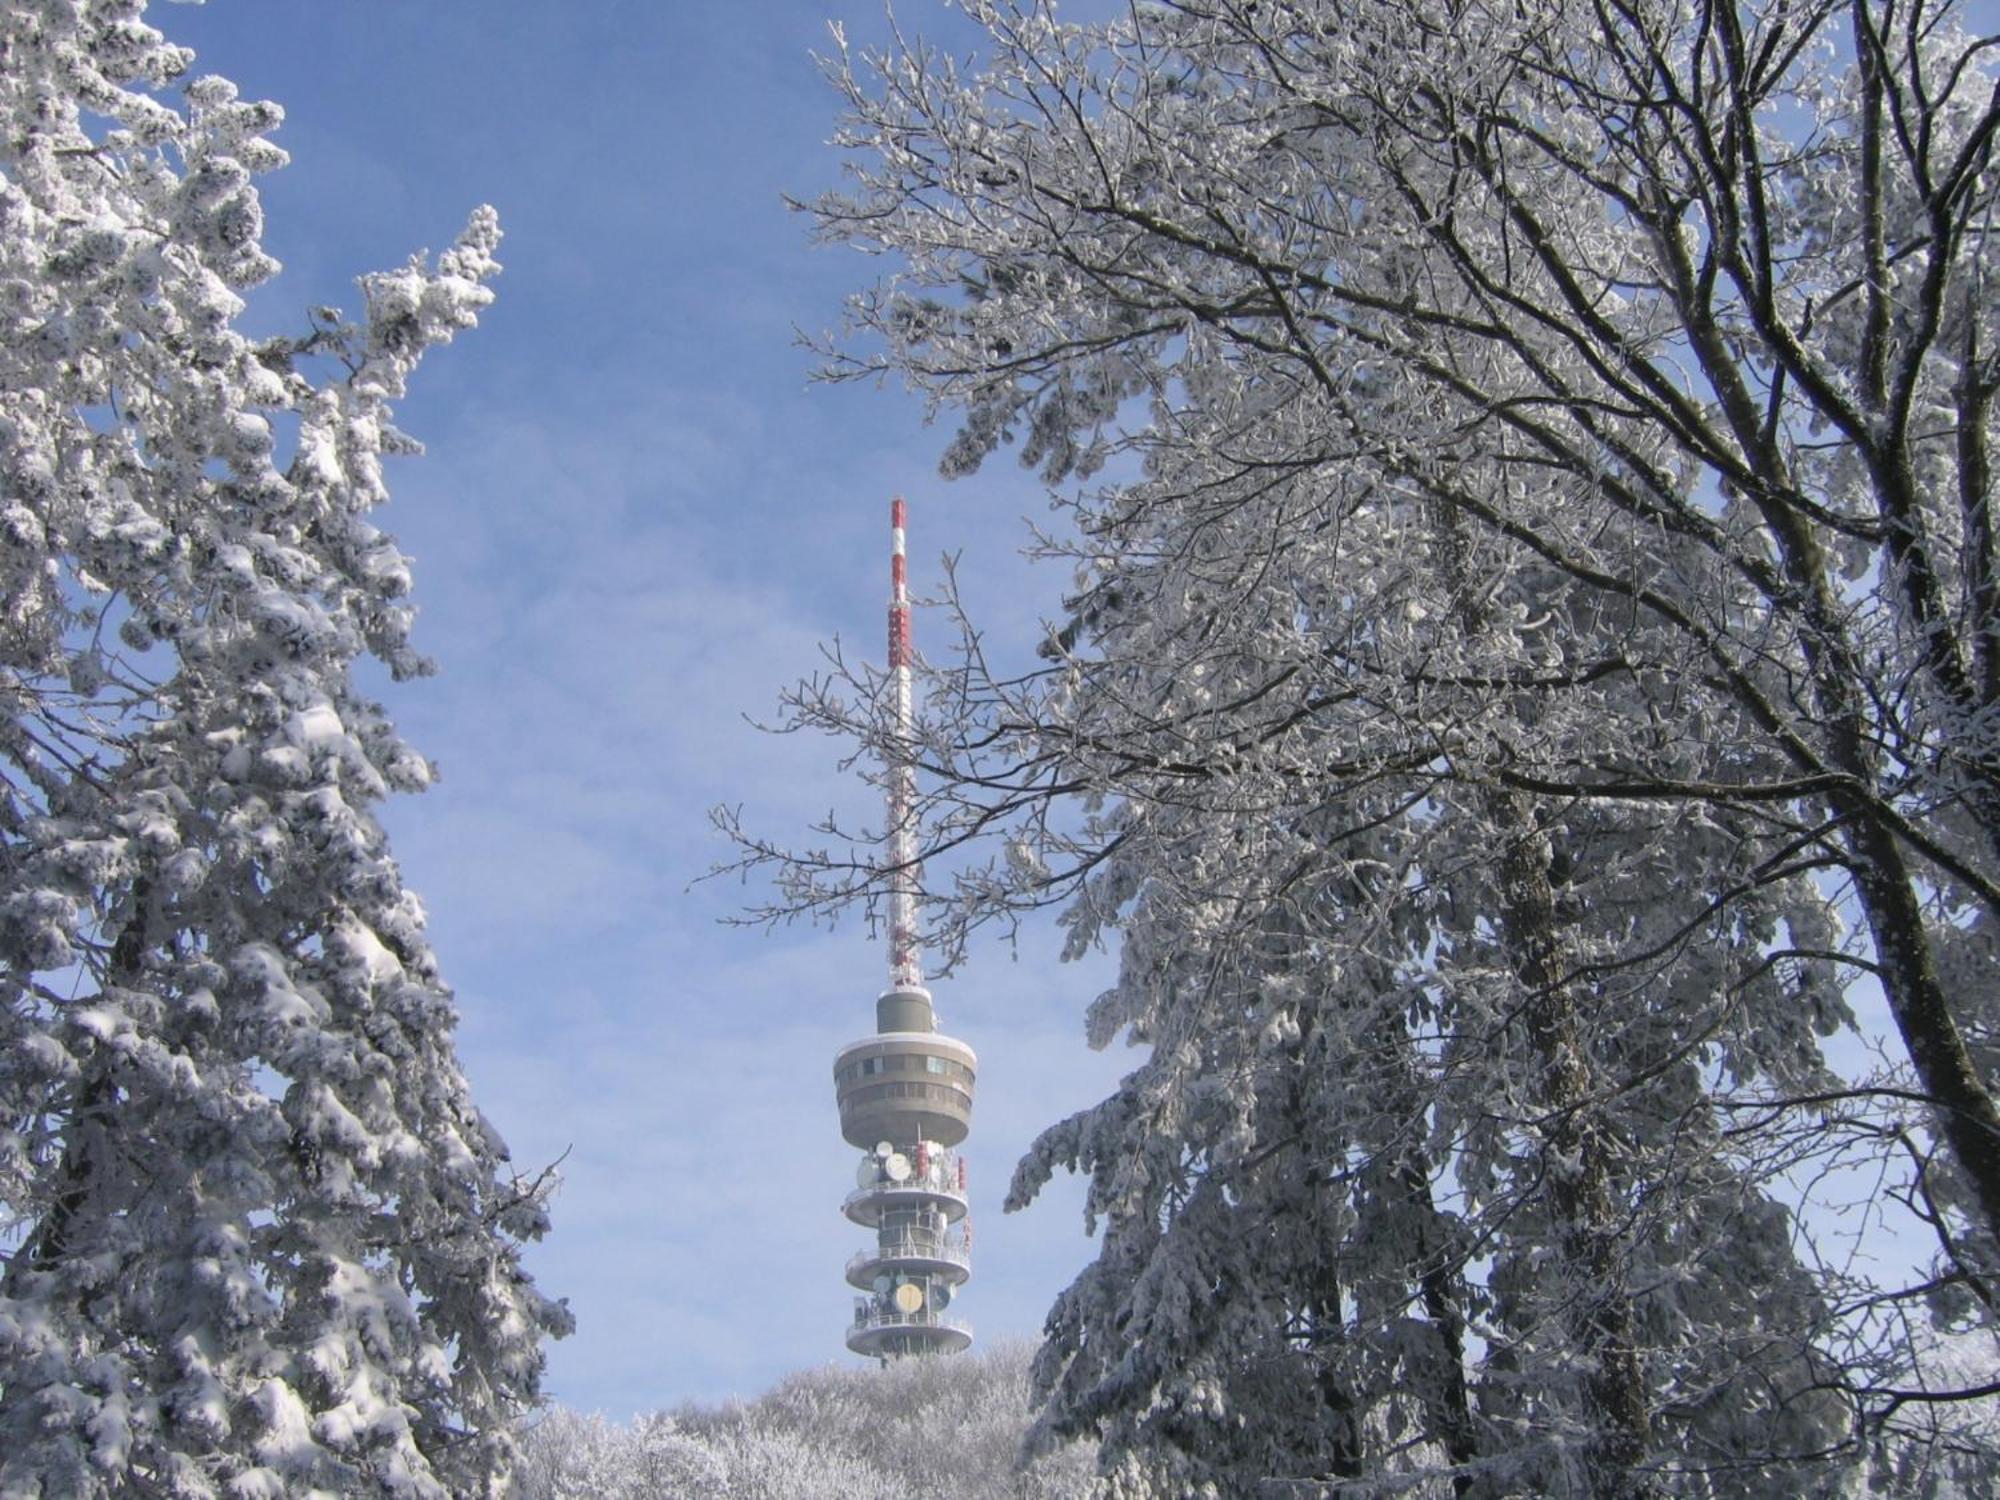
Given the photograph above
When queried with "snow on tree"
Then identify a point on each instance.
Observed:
(259, 1240)
(1533, 647)
(950, 1429)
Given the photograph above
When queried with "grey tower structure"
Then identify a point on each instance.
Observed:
(905, 1093)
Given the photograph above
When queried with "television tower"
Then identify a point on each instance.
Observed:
(905, 1093)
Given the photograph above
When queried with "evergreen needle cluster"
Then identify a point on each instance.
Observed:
(258, 1241)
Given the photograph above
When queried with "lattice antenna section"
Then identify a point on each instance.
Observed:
(906, 965)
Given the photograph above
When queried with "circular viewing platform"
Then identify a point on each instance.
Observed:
(883, 1333)
(938, 1257)
(908, 1187)
(905, 1086)
(869, 1206)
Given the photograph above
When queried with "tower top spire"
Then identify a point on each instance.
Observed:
(906, 962)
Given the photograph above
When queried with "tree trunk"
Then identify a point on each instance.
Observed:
(86, 1138)
(1585, 1200)
(1965, 1109)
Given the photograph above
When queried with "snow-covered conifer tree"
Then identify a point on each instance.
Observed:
(1536, 654)
(259, 1240)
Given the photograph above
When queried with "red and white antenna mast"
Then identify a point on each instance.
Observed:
(906, 967)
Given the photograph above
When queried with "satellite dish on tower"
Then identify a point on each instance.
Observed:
(909, 1298)
(898, 1167)
(885, 1148)
(868, 1173)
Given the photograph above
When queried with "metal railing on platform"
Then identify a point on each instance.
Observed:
(915, 1247)
(873, 1315)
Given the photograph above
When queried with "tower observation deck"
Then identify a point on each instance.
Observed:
(905, 1093)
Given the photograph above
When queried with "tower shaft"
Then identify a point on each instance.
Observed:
(905, 1093)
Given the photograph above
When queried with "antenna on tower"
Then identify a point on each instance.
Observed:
(906, 969)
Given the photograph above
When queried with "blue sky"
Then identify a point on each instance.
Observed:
(635, 523)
